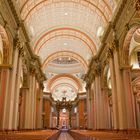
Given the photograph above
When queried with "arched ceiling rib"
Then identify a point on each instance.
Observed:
(53, 15)
(64, 78)
(68, 54)
(69, 32)
(65, 44)
(104, 7)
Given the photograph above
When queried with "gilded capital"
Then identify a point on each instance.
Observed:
(109, 53)
(16, 43)
(32, 70)
(137, 5)
(97, 69)
(115, 44)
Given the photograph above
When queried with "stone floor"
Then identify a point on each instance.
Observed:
(65, 136)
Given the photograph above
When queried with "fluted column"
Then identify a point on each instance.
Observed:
(90, 107)
(120, 93)
(32, 100)
(70, 117)
(123, 90)
(77, 119)
(16, 94)
(129, 97)
(137, 107)
(5, 71)
(47, 109)
(105, 106)
(58, 117)
(114, 90)
(30, 105)
(39, 109)
(97, 103)
(22, 110)
(81, 113)
(11, 97)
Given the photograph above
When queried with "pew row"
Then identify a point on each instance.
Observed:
(91, 135)
(31, 135)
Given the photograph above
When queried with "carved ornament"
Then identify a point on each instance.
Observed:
(137, 5)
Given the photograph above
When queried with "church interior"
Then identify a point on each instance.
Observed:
(69, 69)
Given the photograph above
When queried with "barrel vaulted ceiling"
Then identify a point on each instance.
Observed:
(65, 33)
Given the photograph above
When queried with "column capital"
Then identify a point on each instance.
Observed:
(115, 44)
(32, 67)
(19, 45)
(97, 68)
(109, 53)
(137, 5)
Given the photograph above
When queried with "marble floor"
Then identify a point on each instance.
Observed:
(65, 136)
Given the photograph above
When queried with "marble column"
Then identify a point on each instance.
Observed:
(70, 120)
(137, 108)
(16, 94)
(77, 119)
(120, 92)
(29, 109)
(11, 97)
(47, 107)
(81, 113)
(24, 91)
(106, 108)
(39, 109)
(114, 94)
(58, 117)
(129, 97)
(90, 107)
(5, 71)
(98, 104)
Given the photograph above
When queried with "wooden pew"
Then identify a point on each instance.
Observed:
(30, 135)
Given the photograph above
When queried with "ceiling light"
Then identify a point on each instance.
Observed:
(66, 14)
(65, 44)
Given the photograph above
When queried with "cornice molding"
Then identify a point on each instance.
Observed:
(5, 66)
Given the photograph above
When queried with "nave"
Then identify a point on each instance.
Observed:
(69, 135)
(65, 136)
(69, 64)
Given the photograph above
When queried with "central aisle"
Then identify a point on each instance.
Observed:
(65, 136)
